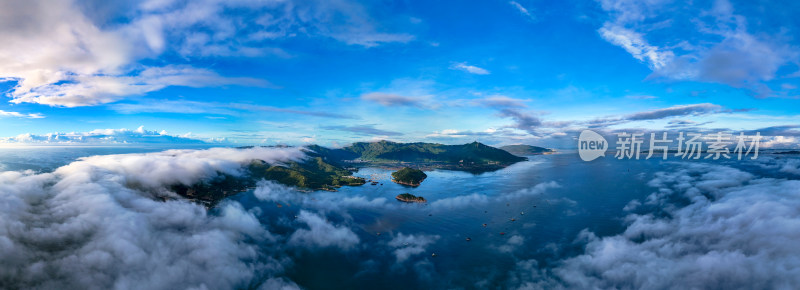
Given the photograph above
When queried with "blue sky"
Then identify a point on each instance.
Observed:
(334, 72)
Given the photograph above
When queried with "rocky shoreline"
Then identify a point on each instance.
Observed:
(408, 183)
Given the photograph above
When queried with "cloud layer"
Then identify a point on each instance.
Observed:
(101, 137)
(94, 224)
(706, 227)
(71, 54)
(717, 43)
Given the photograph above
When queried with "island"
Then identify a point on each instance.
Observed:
(526, 150)
(409, 176)
(407, 197)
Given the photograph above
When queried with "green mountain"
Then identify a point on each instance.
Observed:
(526, 150)
(313, 173)
(392, 152)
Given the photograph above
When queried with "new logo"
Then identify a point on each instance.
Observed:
(591, 145)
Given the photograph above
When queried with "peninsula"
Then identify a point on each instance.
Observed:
(526, 150)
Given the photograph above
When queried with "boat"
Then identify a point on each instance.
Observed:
(468, 239)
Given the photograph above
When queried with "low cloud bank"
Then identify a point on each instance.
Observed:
(103, 137)
(92, 224)
(708, 227)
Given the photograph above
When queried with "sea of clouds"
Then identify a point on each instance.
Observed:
(705, 227)
(111, 222)
(94, 224)
(101, 223)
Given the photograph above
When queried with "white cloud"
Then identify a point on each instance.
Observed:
(62, 54)
(521, 9)
(321, 233)
(101, 137)
(716, 44)
(94, 223)
(388, 99)
(88, 90)
(20, 115)
(791, 166)
(218, 108)
(780, 142)
(512, 244)
(463, 66)
(737, 231)
(635, 44)
(478, 199)
(536, 190)
(407, 246)
(498, 101)
(461, 201)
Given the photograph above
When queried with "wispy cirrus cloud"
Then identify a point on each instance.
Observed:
(641, 97)
(89, 90)
(89, 61)
(685, 123)
(463, 66)
(4, 113)
(525, 121)
(366, 130)
(717, 44)
(522, 10)
(669, 112)
(216, 108)
(499, 101)
(389, 99)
